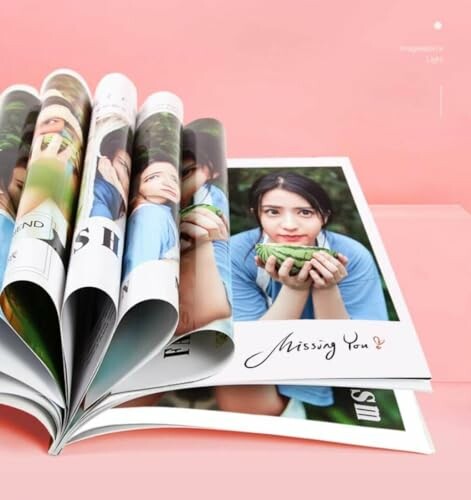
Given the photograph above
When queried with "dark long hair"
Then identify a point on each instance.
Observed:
(203, 141)
(310, 190)
(115, 140)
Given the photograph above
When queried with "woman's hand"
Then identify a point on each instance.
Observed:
(202, 225)
(327, 270)
(300, 281)
(51, 150)
(47, 173)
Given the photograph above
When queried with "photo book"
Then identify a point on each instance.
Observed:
(148, 281)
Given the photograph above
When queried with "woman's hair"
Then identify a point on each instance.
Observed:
(10, 159)
(58, 101)
(310, 190)
(203, 141)
(114, 141)
(158, 139)
(141, 162)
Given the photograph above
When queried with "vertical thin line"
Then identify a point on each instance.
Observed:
(441, 101)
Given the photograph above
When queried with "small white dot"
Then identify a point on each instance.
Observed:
(437, 25)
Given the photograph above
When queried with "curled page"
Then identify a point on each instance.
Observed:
(19, 108)
(203, 341)
(148, 310)
(93, 279)
(35, 275)
(205, 277)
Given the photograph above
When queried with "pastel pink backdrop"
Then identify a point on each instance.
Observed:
(303, 77)
(300, 78)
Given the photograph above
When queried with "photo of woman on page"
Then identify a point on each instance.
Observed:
(54, 168)
(35, 275)
(204, 227)
(152, 232)
(111, 184)
(291, 208)
(19, 108)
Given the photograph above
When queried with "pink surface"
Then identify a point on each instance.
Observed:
(203, 464)
(184, 462)
(376, 81)
(430, 249)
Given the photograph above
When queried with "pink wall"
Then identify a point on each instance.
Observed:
(287, 78)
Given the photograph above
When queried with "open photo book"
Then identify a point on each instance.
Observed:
(147, 281)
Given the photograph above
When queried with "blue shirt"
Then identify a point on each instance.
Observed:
(107, 200)
(212, 195)
(361, 292)
(151, 234)
(7, 225)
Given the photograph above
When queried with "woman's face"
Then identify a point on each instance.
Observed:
(122, 165)
(159, 183)
(288, 218)
(193, 177)
(16, 184)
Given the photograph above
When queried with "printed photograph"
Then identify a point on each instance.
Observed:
(151, 231)
(46, 209)
(54, 168)
(376, 408)
(113, 169)
(299, 249)
(204, 227)
(18, 113)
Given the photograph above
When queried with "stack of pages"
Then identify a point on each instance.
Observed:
(147, 281)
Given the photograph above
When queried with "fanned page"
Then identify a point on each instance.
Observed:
(167, 268)
(34, 278)
(365, 417)
(90, 310)
(19, 108)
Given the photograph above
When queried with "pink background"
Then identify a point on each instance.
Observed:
(297, 78)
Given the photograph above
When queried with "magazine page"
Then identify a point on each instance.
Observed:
(365, 417)
(19, 362)
(92, 288)
(148, 303)
(19, 108)
(10, 386)
(30, 407)
(203, 342)
(314, 292)
(35, 275)
(336, 310)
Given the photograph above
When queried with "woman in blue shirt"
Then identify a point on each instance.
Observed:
(111, 186)
(11, 184)
(204, 234)
(292, 209)
(151, 232)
